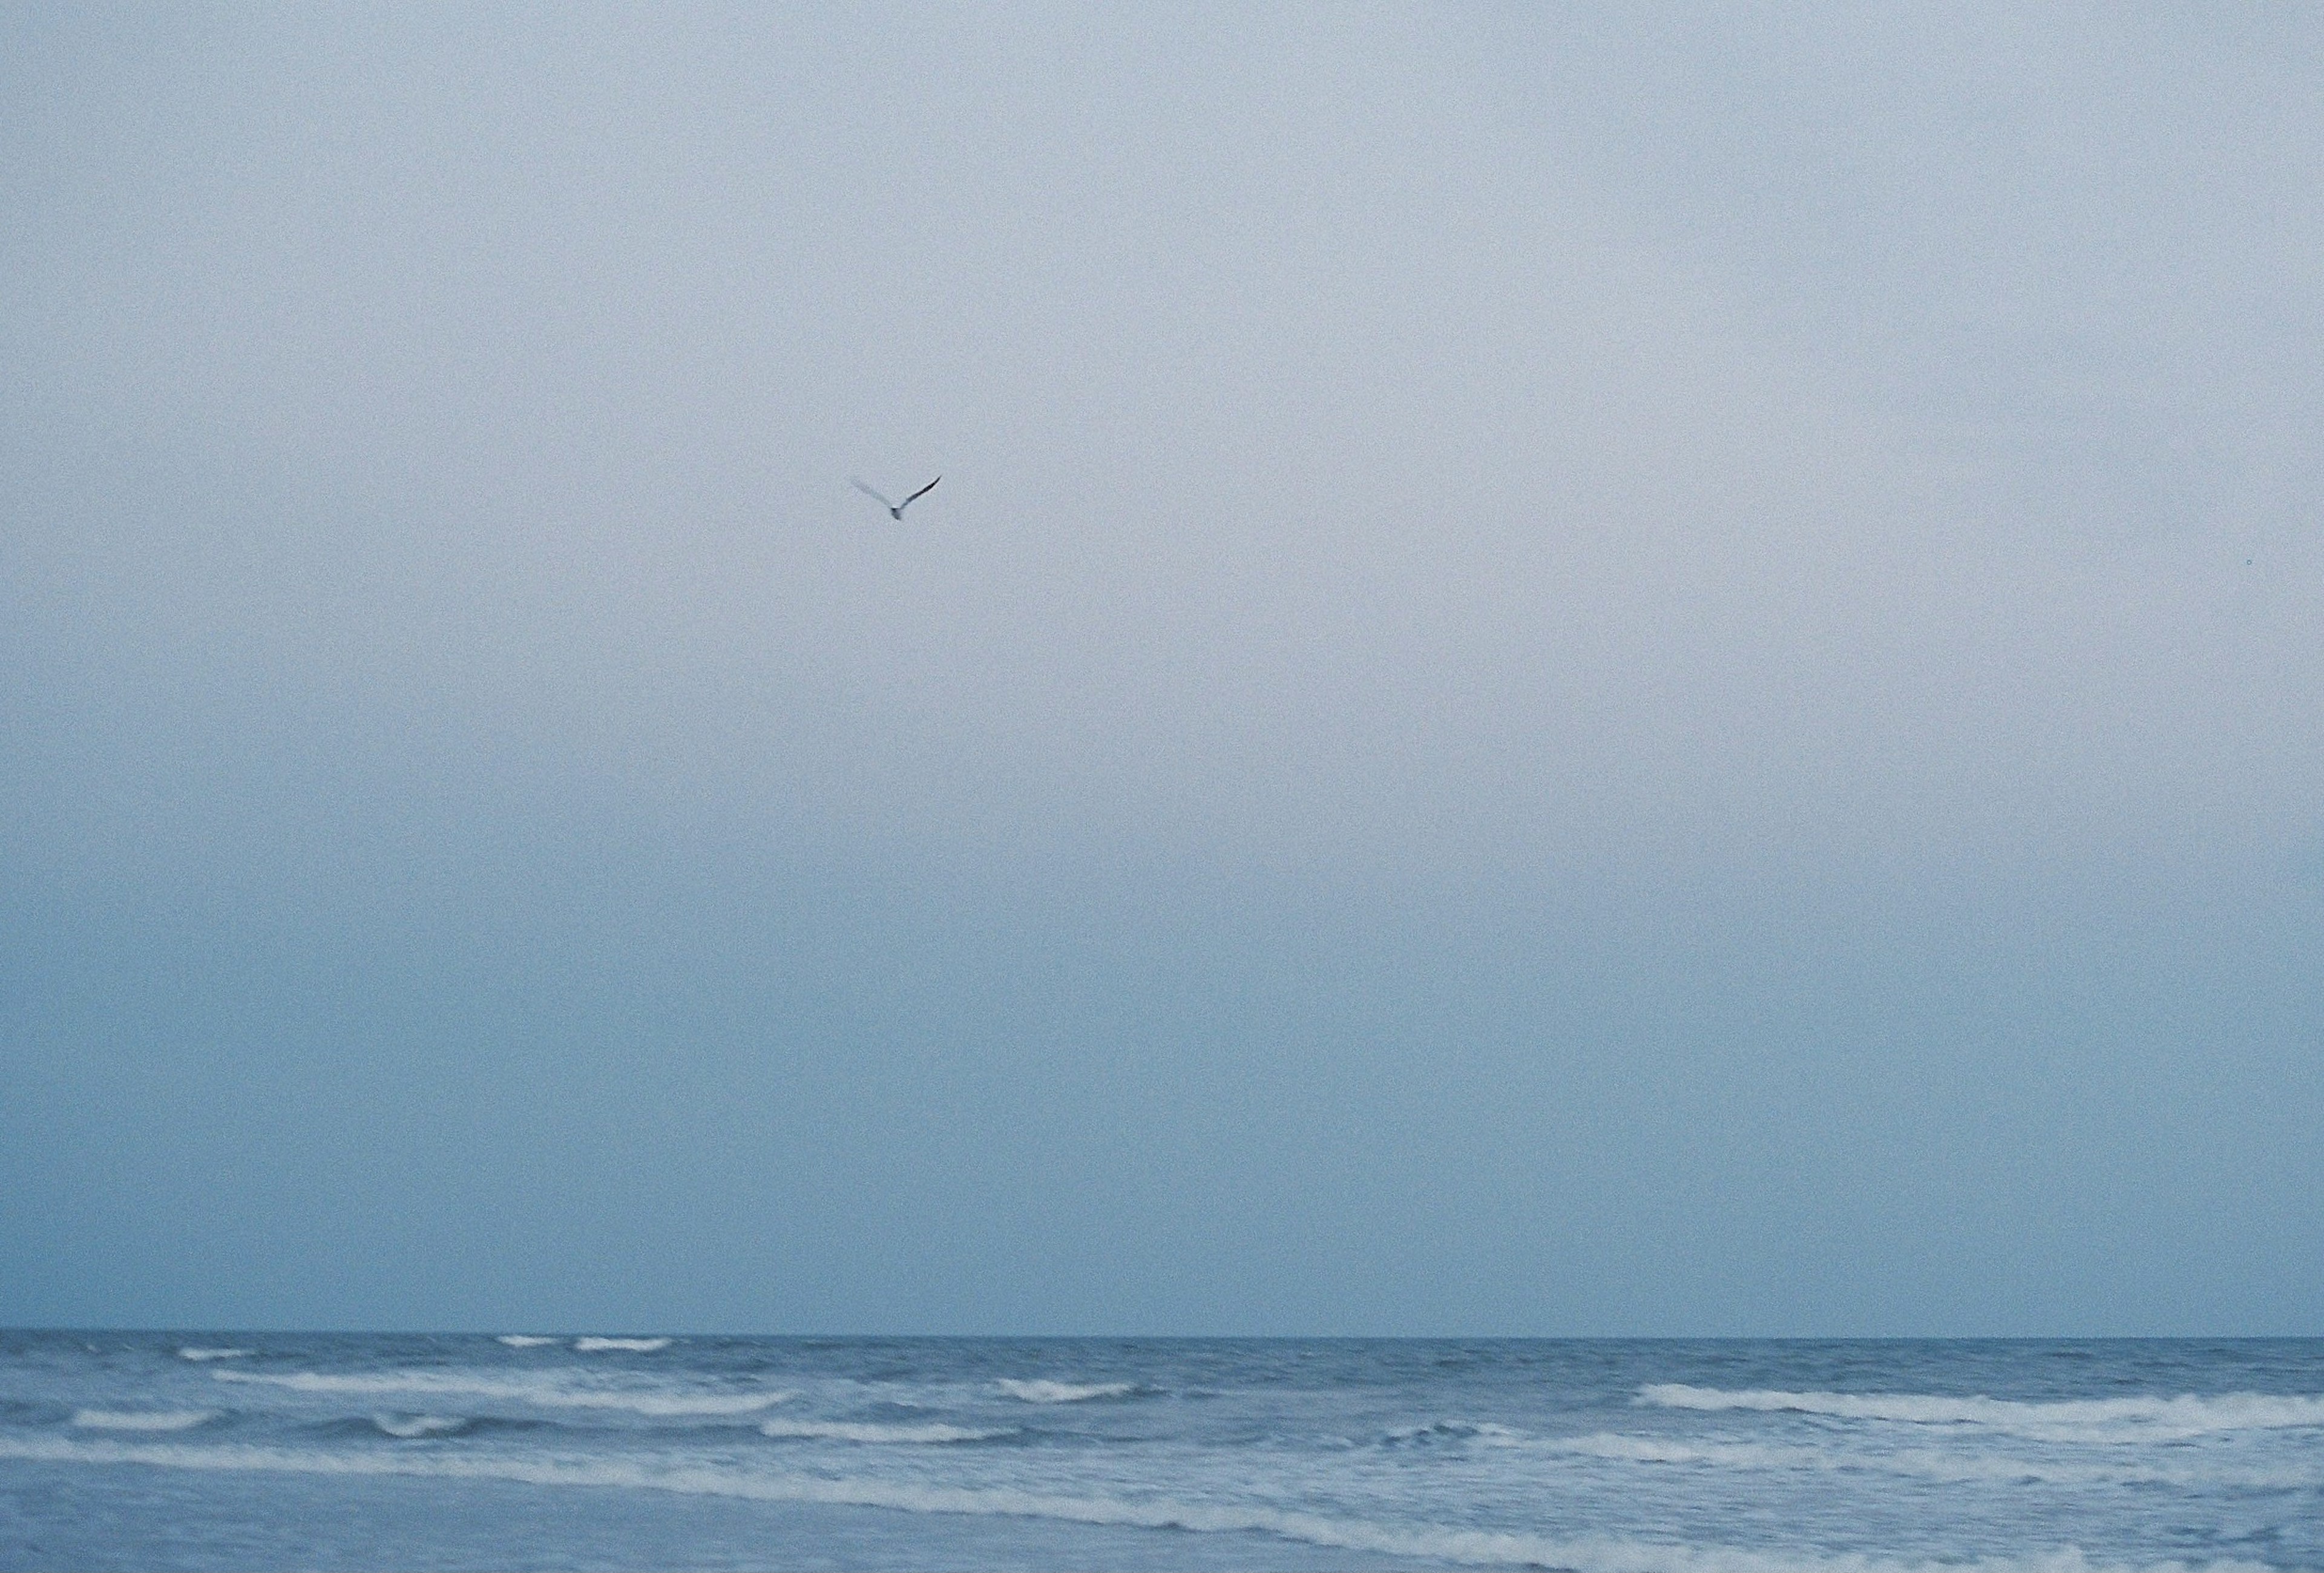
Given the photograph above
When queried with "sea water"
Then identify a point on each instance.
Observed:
(605, 1449)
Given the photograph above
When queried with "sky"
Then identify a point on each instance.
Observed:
(1575, 671)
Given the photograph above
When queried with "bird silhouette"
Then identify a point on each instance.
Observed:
(895, 510)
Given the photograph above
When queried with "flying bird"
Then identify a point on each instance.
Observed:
(895, 510)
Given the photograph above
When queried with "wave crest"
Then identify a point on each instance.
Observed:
(867, 1431)
(1453, 1431)
(2141, 1419)
(540, 1394)
(120, 1420)
(1927, 1464)
(1040, 1390)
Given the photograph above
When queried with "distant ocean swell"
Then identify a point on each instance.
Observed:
(1601, 1457)
(1917, 1463)
(1442, 1543)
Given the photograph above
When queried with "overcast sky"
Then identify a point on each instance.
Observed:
(1574, 672)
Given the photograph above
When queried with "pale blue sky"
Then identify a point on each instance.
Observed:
(1572, 673)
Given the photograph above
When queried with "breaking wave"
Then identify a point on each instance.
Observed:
(527, 1340)
(630, 1346)
(2143, 1418)
(1423, 1541)
(410, 1426)
(196, 1353)
(541, 1394)
(1043, 1391)
(1923, 1464)
(120, 1420)
(867, 1431)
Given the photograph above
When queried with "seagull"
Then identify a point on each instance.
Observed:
(895, 510)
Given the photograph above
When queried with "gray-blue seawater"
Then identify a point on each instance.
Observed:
(373, 1451)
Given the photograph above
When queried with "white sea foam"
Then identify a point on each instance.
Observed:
(629, 1346)
(195, 1353)
(866, 1431)
(420, 1425)
(1043, 1391)
(545, 1390)
(1584, 1554)
(128, 1420)
(527, 1340)
(1628, 1449)
(1927, 1464)
(2143, 1418)
(2006, 1470)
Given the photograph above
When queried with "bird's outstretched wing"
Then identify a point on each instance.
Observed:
(857, 483)
(923, 492)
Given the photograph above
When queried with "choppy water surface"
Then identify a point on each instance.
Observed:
(604, 1450)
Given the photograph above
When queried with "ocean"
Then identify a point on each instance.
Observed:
(270, 1450)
